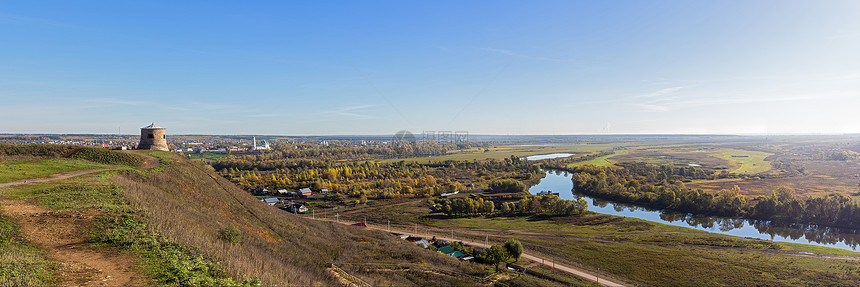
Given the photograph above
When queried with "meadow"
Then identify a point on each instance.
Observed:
(600, 161)
(12, 170)
(502, 152)
(642, 251)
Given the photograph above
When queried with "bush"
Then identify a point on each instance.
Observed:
(101, 155)
(231, 234)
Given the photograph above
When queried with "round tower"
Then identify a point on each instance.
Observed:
(153, 137)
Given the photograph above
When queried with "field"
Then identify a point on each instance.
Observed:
(502, 152)
(643, 251)
(600, 161)
(12, 170)
(208, 155)
(745, 161)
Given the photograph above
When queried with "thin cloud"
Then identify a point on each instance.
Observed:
(653, 108)
(661, 93)
(352, 112)
(518, 55)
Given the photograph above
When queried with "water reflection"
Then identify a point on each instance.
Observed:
(559, 181)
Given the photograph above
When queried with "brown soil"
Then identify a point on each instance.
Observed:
(63, 234)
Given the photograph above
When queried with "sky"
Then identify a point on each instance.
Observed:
(378, 67)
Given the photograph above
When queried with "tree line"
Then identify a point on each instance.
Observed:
(662, 187)
(374, 179)
(543, 205)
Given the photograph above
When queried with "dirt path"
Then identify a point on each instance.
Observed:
(148, 160)
(56, 176)
(63, 234)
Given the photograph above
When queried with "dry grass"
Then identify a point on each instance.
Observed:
(189, 204)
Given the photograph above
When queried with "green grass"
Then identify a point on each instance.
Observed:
(503, 152)
(165, 262)
(13, 170)
(644, 251)
(110, 157)
(22, 264)
(745, 161)
(599, 161)
(206, 156)
(92, 191)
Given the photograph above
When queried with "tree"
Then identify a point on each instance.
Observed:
(514, 248)
(495, 255)
(509, 185)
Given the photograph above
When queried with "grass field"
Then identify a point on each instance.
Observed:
(208, 155)
(600, 161)
(745, 161)
(657, 254)
(13, 170)
(503, 152)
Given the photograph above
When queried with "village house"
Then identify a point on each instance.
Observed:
(305, 192)
(270, 200)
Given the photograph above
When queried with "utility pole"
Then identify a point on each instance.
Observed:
(487, 241)
(598, 277)
(314, 213)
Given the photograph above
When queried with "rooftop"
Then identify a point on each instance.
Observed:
(151, 126)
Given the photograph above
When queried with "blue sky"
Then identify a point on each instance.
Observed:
(377, 67)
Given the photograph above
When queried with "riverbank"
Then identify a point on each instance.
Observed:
(560, 181)
(642, 251)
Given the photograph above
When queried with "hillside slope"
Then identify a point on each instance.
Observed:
(190, 205)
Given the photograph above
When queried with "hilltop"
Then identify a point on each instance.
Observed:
(179, 223)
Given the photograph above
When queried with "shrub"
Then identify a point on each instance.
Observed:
(231, 234)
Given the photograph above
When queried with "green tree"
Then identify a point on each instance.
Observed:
(495, 255)
(514, 248)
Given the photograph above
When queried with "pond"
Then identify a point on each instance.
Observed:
(549, 156)
(559, 181)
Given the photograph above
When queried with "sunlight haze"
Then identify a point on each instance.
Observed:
(377, 67)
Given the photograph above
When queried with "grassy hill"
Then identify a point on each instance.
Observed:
(190, 204)
(187, 226)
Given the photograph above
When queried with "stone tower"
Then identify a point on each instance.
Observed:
(153, 137)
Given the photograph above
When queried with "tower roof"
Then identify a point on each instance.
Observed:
(151, 126)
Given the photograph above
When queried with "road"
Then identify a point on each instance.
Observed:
(539, 260)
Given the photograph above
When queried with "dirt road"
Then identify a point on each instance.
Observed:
(548, 263)
(56, 176)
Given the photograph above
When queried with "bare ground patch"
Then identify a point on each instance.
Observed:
(64, 235)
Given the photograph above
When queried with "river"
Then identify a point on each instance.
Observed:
(559, 181)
